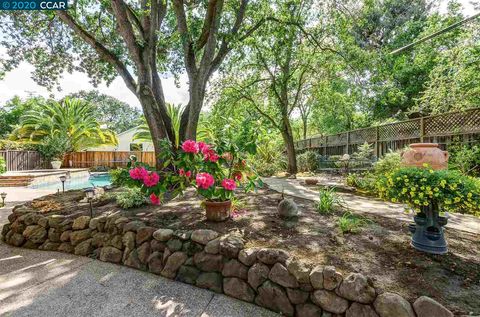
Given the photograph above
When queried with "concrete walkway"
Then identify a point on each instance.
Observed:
(41, 283)
(366, 205)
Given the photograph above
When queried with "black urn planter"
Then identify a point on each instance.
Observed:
(427, 231)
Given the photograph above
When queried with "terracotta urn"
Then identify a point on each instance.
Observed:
(425, 153)
(217, 210)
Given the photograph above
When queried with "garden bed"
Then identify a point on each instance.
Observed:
(380, 250)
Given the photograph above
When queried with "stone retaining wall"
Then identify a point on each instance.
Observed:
(266, 277)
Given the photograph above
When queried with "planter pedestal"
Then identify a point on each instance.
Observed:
(427, 231)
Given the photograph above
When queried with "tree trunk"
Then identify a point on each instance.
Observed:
(289, 146)
(155, 123)
(191, 114)
(305, 127)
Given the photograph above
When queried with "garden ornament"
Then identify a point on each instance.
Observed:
(427, 228)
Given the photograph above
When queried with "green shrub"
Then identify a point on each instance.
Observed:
(54, 147)
(387, 163)
(3, 165)
(269, 159)
(131, 198)
(449, 190)
(465, 159)
(119, 176)
(328, 199)
(351, 223)
(307, 161)
(364, 152)
(365, 182)
(15, 145)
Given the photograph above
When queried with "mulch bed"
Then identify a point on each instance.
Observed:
(381, 250)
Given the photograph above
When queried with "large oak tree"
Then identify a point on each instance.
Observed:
(137, 40)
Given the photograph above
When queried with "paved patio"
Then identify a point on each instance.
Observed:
(360, 204)
(41, 283)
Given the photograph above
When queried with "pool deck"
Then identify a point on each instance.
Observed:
(40, 173)
(35, 178)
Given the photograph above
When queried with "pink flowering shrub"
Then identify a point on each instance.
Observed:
(215, 171)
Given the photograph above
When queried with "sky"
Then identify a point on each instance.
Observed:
(19, 83)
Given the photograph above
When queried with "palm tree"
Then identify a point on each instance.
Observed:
(73, 119)
(174, 112)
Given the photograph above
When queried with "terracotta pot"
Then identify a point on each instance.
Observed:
(425, 153)
(311, 181)
(217, 210)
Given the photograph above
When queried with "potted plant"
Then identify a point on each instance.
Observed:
(215, 171)
(432, 194)
(53, 148)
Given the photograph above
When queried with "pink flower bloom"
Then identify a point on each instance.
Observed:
(188, 173)
(190, 146)
(151, 179)
(138, 173)
(229, 184)
(154, 199)
(181, 172)
(211, 156)
(203, 147)
(204, 180)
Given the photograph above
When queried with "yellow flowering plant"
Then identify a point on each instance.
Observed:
(417, 187)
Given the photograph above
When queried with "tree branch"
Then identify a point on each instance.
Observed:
(101, 50)
(207, 24)
(126, 30)
(185, 36)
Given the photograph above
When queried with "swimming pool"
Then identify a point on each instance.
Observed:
(94, 180)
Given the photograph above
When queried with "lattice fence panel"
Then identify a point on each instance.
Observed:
(400, 130)
(363, 135)
(318, 142)
(453, 123)
(335, 139)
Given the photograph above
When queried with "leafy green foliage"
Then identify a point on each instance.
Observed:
(351, 223)
(16, 145)
(328, 200)
(364, 152)
(308, 161)
(116, 114)
(54, 147)
(365, 182)
(119, 176)
(72, 119)
(11, 112)
(387, 163)
(417, 187)
(130, 198)
(3, 165)
(465, 158)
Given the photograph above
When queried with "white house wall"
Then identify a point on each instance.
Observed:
(124, 140)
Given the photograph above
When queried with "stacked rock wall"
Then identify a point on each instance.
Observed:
(266, 277)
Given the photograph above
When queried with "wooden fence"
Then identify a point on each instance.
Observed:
(110, 159)
(23, 160)
(461, 126)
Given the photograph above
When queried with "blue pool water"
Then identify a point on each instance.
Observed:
(95, 180)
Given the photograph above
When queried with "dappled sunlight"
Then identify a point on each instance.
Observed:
(167, 307)
(11, 258)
